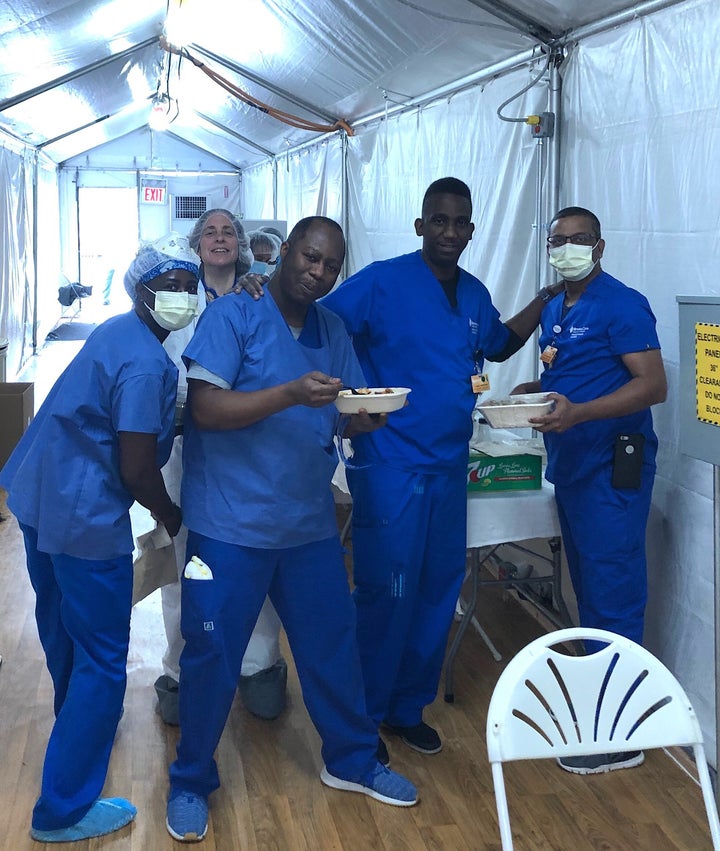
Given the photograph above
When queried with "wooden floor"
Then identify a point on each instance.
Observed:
(271, 796)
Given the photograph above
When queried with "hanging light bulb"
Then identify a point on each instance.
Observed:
(159, 118)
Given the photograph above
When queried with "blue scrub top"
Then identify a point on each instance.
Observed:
(406, 334)
(609, 320)
(63, 478)
(266, 485)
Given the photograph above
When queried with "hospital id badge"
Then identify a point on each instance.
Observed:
(479, 382)
(548, 354)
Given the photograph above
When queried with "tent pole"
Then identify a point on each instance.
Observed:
(552, 195)
(345, 194)
(539, 210)
(35, 254)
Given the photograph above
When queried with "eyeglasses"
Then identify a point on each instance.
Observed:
(557, 240)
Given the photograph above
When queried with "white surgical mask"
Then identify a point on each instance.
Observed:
(173, 311)
(573, 262)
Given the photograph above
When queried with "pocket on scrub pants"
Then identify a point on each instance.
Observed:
(200, 610)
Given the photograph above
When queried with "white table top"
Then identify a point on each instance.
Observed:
(511, 516)
(498, 518)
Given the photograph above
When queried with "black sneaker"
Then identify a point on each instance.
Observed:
(383, 757)
(420, 737)
(601, 763)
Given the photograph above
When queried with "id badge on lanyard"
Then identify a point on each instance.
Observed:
(549, 353)
(479, 382)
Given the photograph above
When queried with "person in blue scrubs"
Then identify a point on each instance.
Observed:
(258, 461)
(96, 445)
(418, 321)
(219, 239)
(603, 367)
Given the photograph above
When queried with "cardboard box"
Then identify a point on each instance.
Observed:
(491, 474)
(17, 407)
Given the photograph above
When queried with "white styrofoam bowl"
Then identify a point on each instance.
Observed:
(377, 401)
(515, 411)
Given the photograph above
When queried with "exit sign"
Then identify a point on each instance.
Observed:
(153, 191)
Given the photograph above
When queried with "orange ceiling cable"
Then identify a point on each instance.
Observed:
(280, 115)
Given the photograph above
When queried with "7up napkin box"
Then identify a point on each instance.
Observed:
(494, 473)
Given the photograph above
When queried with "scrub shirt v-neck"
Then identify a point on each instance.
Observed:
(266, 485)
(609, 320)
(407, 334)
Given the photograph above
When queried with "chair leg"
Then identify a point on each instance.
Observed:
(708, 795)
(502, 807)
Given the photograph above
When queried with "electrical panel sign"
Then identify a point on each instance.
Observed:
(698, 390)
(707, 372)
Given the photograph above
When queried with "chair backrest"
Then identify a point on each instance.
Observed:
(549, 704)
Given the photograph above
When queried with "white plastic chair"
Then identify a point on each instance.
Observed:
(547, 704)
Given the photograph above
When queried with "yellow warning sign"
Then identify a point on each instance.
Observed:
(707, 372)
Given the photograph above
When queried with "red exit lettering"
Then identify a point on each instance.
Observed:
(153, 194)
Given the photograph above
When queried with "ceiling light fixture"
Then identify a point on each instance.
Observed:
(160, 113)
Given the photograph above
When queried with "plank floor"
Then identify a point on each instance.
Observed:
(271, 796)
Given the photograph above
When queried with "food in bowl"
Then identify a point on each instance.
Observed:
(516, 411)
(375, 400)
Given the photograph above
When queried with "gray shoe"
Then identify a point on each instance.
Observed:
(264, 693)
(601, 763)
(167, 692)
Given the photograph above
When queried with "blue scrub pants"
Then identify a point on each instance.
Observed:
(83, 618)
(308, 586)
(409, 545)
(603, 530)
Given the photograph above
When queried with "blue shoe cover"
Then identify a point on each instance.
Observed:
(105, 816)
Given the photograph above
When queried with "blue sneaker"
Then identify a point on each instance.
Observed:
(105, 816)
(380, 783)
(187, 816)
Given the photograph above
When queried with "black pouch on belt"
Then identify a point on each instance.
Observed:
(628, 461)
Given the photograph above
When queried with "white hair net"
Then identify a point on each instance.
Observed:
(171, 251)
(245, 256)
(260, 238)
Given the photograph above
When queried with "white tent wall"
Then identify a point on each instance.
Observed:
(48, 250)
(219, 190)
(309, 182)
(642, 149)
(28, 205)
(389, 166)
(16, 268)
(258, 193)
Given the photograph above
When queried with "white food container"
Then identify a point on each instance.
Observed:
(377, 401)
(515, 411)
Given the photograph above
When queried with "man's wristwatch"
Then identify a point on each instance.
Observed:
(546, 294)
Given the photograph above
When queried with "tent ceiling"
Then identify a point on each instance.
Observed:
(77, 74)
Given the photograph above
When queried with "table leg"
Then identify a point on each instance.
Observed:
(468, 617)
(555, 545)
